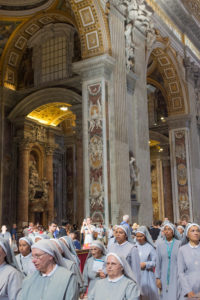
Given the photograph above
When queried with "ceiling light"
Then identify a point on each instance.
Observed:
(64, 108)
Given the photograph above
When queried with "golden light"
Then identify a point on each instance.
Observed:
(52, 113)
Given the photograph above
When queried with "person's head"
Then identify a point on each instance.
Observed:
(57, 244)
(126, 218)
(96, 252)
(184, 222)
(42, 260)
(120, 234)
(180, 229)
(14, 226)
(25, 246)
(168, 232)
(31, 224)
(3, 228)
(52, 227)
(193, 233)
(114, 267)
(73, 235)
(140, 237)
(88, 221)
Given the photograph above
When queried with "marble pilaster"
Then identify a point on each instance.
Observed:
(1, 151)
(95, 74)
(139, 131)
(119, 147)
(49, 176)
(23, 180)
(180, 152)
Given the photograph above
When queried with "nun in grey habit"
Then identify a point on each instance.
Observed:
(123, 287)
(24, 258)
(129, 251)
(166, 264)
(189, 265)
(147, 255)
(69, 261)
(69, 243)
(92, 265)
(10, 277)
(60, 284)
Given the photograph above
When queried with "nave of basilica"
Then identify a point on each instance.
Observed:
(100, 110)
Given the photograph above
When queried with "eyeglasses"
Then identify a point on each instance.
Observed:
(38, 257)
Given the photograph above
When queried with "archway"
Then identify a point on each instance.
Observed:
(89, 20)
(167, 98)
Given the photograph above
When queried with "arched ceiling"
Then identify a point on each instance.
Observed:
(86, 15)
(52, 114)
(20, 8)
(171, 87)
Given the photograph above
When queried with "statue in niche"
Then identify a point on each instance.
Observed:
(130, 46)
(33, 180)
(26, 73)
(45, 189)
(133, 172)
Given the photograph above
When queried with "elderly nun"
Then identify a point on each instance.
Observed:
(124, 248)
(166, 263)
(10, 277)
(93, 268)
(147, 255)
(51, 280)
(24, 258)
(189, 262)
(120, 282)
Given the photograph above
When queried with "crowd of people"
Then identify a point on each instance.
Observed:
(124, 262)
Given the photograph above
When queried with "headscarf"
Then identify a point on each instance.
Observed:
(27, 240)
(127, 231)
(177, 235)
(65, 251)
(126, 267)
(144, 230)
(70, 244)
(99, 245)
(185, 238)
(10, 256)
(67, 254)
(48, 247)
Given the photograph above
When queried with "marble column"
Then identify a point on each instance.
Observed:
(23, 180)
(49, 176)
(167, 186)
(180, 166)
(95, 74)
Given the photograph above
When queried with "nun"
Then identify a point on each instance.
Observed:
(10, 277)
(93, 268)
(127, 249)
(69, 243)
(120, 282)
(189, 262)
(147, 254)
(166, 263)
(24, 258)
(51, 280)
(69, 261)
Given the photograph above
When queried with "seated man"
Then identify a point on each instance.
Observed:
(52, 280)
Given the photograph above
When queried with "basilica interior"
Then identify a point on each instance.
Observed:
(99, 110)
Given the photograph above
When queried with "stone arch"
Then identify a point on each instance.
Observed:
(89, 20)
(49, 95)
(175, 87)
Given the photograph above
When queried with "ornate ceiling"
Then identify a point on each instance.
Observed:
(52, 114)
(194, 7)
(23, 7)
